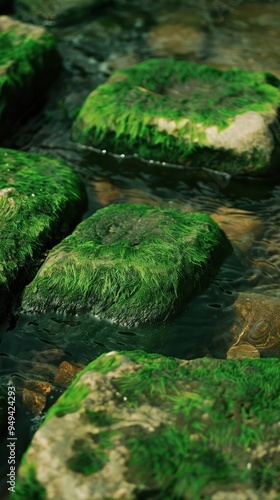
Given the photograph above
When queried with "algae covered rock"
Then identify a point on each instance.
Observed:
(55, 11)
(135, 425)
(184, 113)
(29, 61)
(40, 198)
(130, 264)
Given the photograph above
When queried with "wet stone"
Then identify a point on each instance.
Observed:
(257, 328)
(41, 199)
(175, 39)
(29, 62)
(141, 424)
(55, 11)
(242, 227)
(180, 112)
(66, 373)
(130, 264)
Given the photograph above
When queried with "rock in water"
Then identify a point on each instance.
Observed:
(257, 329)
(184, 113)
(29, 62)
(130, 264)
(40, 198)
(136, 425)
(55, 11)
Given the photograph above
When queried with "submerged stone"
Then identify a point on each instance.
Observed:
(130, 264)
(29, 62)
(40, 199)
(137, 425)
(257, 329)
(55, 11)
(184, 113)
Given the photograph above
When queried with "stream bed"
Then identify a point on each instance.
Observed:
(248, 210)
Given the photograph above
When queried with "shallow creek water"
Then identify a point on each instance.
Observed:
(247, 210)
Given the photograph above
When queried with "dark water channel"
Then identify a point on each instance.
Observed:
(248, 210)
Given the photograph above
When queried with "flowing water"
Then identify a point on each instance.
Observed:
(248, 210)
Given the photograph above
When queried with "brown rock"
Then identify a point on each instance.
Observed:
(176, 39)
(67, 372)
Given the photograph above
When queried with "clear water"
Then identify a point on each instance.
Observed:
(247, 210)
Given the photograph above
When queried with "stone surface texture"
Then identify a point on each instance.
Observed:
(136, 424)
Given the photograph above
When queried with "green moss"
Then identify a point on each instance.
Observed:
(40, 200)
(27, 485)
(100, 418)
(120, 114)
(29, 61)
(130, 264)
(88, 458)
(104, 364)
(214, 415)
(188, 466)
(70, 401)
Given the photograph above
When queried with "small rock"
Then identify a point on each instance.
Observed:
(176, 39)
(66, 373)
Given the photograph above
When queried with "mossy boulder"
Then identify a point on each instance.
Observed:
(135, 425)
(40, 199)
(55, 11)
(130, 264)
(29, 62)
(184, 113)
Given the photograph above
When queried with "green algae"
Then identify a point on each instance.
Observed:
(188, 465)
(27, 485)
(40, 200)
(29, 62)
(70, 401)
(54, 11)
(100, 418)
(130, 264)
(88, 459)
(120, 114)
(215, 415)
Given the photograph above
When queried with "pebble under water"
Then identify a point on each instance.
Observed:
(247, 210)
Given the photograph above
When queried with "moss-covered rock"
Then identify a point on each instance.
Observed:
(136, 425)
(55, 11)
(130, 264)
(40, 198)
(29, 61)
(180, 112)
